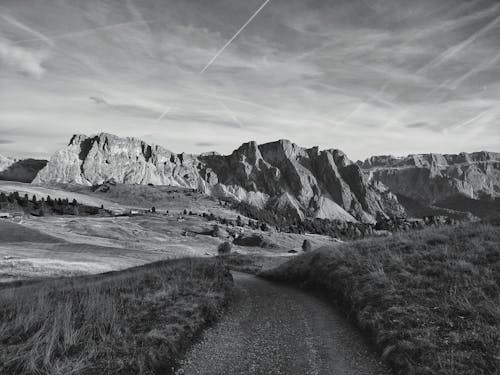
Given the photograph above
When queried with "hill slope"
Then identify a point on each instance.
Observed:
(428, 299)
(20, 170)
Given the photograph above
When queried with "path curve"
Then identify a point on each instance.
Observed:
(273, 329)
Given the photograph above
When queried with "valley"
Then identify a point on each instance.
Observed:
(67, 245)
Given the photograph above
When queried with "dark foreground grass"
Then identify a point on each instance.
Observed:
(429, 300)
(137, 321)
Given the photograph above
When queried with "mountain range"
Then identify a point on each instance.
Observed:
(434, 177)
(281, 176)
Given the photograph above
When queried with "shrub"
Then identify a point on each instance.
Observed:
(306, 246)
(224, 248)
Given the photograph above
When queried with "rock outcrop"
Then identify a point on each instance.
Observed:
(24, 170)
(434, 177)
(281, 176)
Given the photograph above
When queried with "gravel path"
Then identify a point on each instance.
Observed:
(274, 329)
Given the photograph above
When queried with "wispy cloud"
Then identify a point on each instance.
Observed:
(454, 50)
(38, 35)
(22, 59)
(317, 72)
(205, 144)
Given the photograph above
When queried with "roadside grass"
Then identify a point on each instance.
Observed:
(250, 263)
(429, 300)
(136, 321)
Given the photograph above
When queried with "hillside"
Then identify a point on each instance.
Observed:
(24, 170)
(279, 176)
(136, 321)
(428, 299)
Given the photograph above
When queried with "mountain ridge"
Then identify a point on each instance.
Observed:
(434, 177)
(282, 176)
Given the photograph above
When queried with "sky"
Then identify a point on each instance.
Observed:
(368, 77)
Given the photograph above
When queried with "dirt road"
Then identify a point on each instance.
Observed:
(274, 329)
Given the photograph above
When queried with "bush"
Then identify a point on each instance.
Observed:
(306, 246)
(255, 240)
(224, 248)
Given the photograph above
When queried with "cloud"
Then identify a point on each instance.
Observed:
(27, 29)
(22, 59)
(205, 144)
(416, 125)
(127, 109)
(5, 141)
(316, 72)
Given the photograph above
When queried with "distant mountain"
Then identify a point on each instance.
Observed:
(279, 176)
(464, 182)
(24, 170)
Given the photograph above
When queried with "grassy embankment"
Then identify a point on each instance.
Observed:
(137, 321)
(429, 300)
(250, 263)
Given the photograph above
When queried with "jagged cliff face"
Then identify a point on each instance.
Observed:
(280, 175)
(435, 177)
(20, 170)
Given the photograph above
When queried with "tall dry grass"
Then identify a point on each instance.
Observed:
(136, 321)
(429, 300)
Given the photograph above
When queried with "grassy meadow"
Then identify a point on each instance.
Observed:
(136, 321)
(429, 300)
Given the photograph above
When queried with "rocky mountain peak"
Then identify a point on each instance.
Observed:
(280, 176)
(434, 177)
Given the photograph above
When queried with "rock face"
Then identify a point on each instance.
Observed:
(435, 177)
(281, 176)
(20, 170)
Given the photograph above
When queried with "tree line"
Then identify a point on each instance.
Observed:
(45, 205)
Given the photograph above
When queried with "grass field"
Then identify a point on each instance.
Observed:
(12, 232)
(429, 300)
(136, 321)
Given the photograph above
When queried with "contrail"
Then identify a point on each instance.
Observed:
(364, 101)
(452, 51)
(84, 32)
(231, 114)
(471, 120)
(449, 53)
(234, 36)
(483, 66)
(453, 84)
(165, 112)
(22, 26)
(439, 59)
